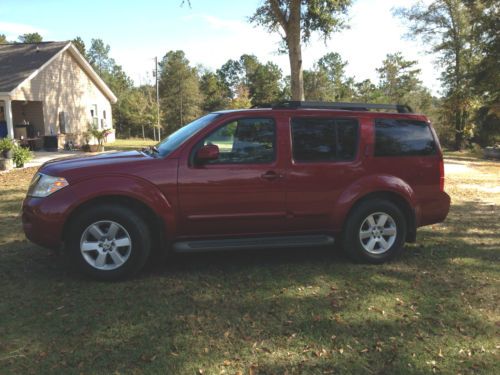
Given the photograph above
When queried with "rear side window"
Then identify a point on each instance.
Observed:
(322, 139)
(403, 138)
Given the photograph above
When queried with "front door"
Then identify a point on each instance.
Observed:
(241, 192)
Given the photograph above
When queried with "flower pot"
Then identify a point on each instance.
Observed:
(7, 154)
(6, 164)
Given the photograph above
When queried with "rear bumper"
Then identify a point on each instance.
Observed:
(434, 210)
(42, 225)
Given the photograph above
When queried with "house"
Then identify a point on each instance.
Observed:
(49, 94)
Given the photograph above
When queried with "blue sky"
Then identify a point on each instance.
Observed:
(210, 33)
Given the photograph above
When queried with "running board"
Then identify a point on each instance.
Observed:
(252, 243)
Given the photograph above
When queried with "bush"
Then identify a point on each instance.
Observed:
(6, 144)
(21, 155)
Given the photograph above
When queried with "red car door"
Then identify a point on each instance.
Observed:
(240, 193)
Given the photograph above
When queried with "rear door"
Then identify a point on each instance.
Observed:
(324, 160)
(240, 193)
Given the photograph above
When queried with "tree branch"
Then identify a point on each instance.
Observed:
(275, 6)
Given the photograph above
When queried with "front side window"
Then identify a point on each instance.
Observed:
(403, 138)
(174, 140)
(323, 139)
(244, 141)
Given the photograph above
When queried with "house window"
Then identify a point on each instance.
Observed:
(93, 115)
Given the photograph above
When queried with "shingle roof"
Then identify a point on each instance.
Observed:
(18, 61)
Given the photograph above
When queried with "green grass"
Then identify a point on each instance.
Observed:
(434, 309)
(129, 144)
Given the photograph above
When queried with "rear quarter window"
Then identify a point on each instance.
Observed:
(403, 138)
(324, 139)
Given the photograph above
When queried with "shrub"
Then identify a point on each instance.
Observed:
(21, 155)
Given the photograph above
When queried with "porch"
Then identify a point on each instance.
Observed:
(23, 121)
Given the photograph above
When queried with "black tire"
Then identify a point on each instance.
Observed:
(135, 227)
(351, 240)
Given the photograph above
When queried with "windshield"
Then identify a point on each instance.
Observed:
(178, 137)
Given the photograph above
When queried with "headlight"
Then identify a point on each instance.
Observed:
(43, 185)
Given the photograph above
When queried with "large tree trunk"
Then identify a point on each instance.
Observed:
(297, 79)
(291, 26)
(295, 51)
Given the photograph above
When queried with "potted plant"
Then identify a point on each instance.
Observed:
(100, 135)
(6, 146)
(21, 155)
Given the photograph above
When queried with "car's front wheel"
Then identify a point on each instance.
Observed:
(108, 242)
(374, 232)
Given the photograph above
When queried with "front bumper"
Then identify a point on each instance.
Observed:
(41, 224)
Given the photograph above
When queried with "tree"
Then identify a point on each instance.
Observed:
(216, 94)
(398, 77)
(179, 90)
(264, 83)
(98, 56)
(486, 73)
(80, 45)
(296, 21)
(445, 25)
(30, 38)
(3, 39)
(327, 81)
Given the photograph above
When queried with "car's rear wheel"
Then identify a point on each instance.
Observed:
(108, 242)
(375, 231)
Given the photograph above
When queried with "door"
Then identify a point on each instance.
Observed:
(324, 162)
(239, 193)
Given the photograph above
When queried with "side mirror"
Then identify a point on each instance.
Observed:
(208, 152)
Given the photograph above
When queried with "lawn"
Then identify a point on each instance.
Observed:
(129, 144)
(434, 309)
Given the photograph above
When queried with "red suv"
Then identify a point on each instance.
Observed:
(298, 174)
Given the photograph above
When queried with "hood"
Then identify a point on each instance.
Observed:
(110, 162)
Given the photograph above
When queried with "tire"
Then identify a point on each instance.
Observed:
(378, 239)
(108, 242)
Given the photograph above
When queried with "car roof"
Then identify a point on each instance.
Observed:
(318, 111)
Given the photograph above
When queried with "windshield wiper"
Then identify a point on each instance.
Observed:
(151, 150)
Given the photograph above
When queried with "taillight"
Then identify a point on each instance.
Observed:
(441, 174)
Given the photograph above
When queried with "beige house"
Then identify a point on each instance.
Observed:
(49, 94)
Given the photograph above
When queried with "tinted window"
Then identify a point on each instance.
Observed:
(403, 138)
(244, 141)
(324, 139)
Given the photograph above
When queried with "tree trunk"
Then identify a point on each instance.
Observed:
(297, 79)
(295, 51)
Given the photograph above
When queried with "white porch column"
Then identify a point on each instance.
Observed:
(8, 117)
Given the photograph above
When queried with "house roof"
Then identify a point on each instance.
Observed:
(22, 61)
(19, 61)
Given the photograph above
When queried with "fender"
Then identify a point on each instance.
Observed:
(133, 187)
(369, 185)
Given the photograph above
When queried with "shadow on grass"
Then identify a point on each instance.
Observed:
(296, 311)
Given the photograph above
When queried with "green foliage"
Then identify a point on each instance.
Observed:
(446, 26)
(6, 144)
(21, 155)
(98, 56)
(3, 39)
(30, 38)
(80, 45)
(179, 90)
(327, 81)
(295, 21)
(99, 134)
(216, 94)
(323, 16)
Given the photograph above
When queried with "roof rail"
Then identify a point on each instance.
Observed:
(400, 108)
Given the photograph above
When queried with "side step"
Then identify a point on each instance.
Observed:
(252, 243)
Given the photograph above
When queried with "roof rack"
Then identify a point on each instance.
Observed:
(400, 108)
